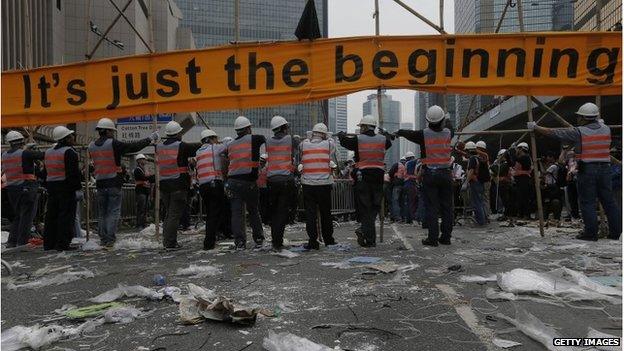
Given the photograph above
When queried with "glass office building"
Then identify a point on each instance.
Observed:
(212, 24)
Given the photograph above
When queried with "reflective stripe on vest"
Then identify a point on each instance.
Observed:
(595, 144)
(438, 148)
(168, 161)
(279, 152)
(371, 151)
(55, 164)
(13, 169)
(262, 178)
(239, 153)
(208, 164)
(519, 171)
(103, 157)
(315, 160)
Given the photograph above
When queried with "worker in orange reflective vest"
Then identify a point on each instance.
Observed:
(142, 189)
(369, 149)
(243, 154)
(592, 140)
(316, 155)
(106, 153)
(62, 182)
(173, 160)
(18, 166)
(435, 149)
(281, 150)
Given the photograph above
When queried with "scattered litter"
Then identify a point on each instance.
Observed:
(202, 304)
(173, 292)
(455, 268)
(593, 333)
(133, 243)
(534, 328)
(121, 314)
(290, 342)
(384, 267)
(91, 311)
(561, 282)
(364, 260)
(400, 278)
(477, 278)
(91, 245)
(505, 344)
(610, 280)
(286, 253)
(340, 247)
(127, 291)
(159, 279)
(297, 249)
(37, 337)
(57, 279)
(196, 271)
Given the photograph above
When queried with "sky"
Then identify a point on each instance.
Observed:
(355, 17)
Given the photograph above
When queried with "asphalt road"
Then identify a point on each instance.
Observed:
(421, 306)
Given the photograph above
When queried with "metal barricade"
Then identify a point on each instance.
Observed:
(342, 197)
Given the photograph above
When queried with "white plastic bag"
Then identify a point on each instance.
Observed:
(127, 291)
(121, 315)
(196, 271)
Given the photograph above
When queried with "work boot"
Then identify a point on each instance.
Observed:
(277, 247)
(173, 248)
(209, 245)
(445, 241)
(586, 238)
(330, 242)
(360, 237)
(259, 243)
(311, 245)
(428, 242)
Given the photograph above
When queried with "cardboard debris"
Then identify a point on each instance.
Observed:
(201, 304)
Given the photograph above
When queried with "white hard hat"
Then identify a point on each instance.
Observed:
(501, 152)
(206, 133)
(368, 120)
(105, 123)
(241, 122)
(435, 114)
(320, 128)
(588, 110)
(523, 145)
(278, 121)
(403, 158)
(140, 157)
(409, 154)
(481, 144)
(264, 156)
(13, 136)
(61, 132)
(173, 128)
(332, 164)
(470, 146)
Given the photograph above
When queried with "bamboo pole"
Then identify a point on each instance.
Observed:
(415, 13)
(87, 195)
(155, 127)
(380, 115)
(538, 190)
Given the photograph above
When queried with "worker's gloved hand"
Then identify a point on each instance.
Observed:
(531, 125)
(300, 168)
(155, 137)
(341, 134)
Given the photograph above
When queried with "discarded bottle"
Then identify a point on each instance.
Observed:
(159, 279)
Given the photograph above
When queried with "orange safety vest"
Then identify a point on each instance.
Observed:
(168, 161)
(279, 152)
(315, 159)
(371, 151)
(239, 153)
(54, 161)
(12, 167)
(208, 164)
(438, 148)
(103, 157)
(595, 144)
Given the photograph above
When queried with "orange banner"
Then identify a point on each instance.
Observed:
(253, 75)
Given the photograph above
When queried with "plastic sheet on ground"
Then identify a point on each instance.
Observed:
(37, 337)
(196, 271)
(172, 291)
(593, 333)
(286, 254)
(609, 280)
(137, 243)
(121, 314)
(57, 279)
(561, 282)
(364, 260)
(91, 245)
(505, 344)
(127, 291)
(535, 329)
(340, 247)
(477, 278)
(201, 304)
(290, 342)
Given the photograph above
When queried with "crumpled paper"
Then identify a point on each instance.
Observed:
(202, 304)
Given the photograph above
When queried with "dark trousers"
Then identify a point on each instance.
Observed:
(280, 202)
(265, 213)
(24, 200)
(243, 194)
(572, 191)
(59, 220)
(504, 193)
(523, 194)
(438, 191)
(594, 181)
(174, 203)
(213, 197)
(318, 197)
(552, 202)
(141, 209)
(369, 203)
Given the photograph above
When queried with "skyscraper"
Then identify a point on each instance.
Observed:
(212, 23)
(391, 111)
(587, 13)
(404, 144)
(337, 121)
(482, 16)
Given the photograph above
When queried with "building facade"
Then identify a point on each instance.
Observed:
(337, 121)
(406, 145)
(482, 16)
(391, 111)
(212, 23)
(591, 15)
